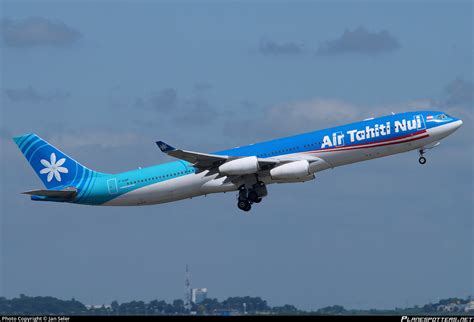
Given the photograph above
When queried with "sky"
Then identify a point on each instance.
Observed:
(104, 80)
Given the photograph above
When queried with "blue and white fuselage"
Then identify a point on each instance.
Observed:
(247, 169)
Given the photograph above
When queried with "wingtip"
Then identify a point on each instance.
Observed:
(164, 147)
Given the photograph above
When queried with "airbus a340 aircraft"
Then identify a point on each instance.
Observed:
(247, 169)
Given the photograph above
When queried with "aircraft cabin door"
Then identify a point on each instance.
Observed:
(112, 185)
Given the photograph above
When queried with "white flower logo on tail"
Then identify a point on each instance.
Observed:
(53, 168)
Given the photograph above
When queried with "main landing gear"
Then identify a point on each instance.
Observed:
(244, 205)
(247, 197)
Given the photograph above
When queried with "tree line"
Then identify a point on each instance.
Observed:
(47, 305)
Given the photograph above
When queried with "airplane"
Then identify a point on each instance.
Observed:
(247, 169)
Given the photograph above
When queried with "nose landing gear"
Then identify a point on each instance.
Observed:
(422, 159)
(424, 149)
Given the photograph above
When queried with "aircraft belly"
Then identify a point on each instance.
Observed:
(170, 190)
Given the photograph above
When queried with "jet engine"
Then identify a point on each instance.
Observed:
(290, 171)
(240, 166)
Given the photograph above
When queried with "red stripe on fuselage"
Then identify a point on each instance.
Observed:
(376, 144)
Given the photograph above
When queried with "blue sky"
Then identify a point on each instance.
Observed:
(104, 80)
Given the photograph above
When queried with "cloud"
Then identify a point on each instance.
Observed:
(290, 118)
(37, 31)
(164, 100)
(317, 113)
(29, 94)
(360, 41)
(295, 117)
(459, 92)
(196, 110)
(270, 47)
(310, 114)
(202, 86)
(139, 102)
(91, 137)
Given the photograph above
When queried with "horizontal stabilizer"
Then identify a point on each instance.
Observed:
(67, 193)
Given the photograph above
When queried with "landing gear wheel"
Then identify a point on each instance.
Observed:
(258, 200)
(253, 196)
(244, 205)
(422, 160)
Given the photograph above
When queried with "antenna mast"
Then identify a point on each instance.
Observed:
(187, 290)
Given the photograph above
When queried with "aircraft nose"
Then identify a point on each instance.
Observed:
(456, 124)
(453, 126)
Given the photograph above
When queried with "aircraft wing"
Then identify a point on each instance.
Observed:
(67, 193)
(205, 160)
(198, 159)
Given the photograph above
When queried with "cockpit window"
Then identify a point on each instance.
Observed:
(441, 116)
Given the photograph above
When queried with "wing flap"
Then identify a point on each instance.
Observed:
(198, 159)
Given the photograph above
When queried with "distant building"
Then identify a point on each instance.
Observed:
(452, 307)
(469, 307)
(198, 295)
(96, 306)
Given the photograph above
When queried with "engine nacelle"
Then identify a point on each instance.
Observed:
(302, 179)
(240, 167)
(289, 171)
